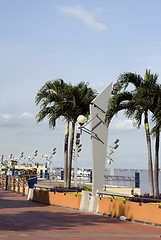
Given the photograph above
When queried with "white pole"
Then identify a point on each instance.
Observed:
(75, 165)
(50, 173)
(111, 155)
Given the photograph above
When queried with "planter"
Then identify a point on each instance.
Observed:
(57, 199)
(144, 212)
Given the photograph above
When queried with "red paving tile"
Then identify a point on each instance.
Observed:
(22, 219)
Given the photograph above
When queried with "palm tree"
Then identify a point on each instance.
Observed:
(52, 97)
(60, 99)
(156, 132)
(136, 104)
(81, 97)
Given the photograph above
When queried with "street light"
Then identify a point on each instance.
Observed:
(77, 149)
(115, 89)
(31, 159)
(81, 119)
(1, 162)
(112, 147)
(49, 160)
(19, 159)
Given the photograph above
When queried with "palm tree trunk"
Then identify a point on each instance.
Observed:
(70, 156)
(156, 166)
(150, 165)
(66, 154)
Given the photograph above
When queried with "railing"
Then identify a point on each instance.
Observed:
(127, 198)
(14, 184)
(120, 181)
(57, 177)
(19, 183)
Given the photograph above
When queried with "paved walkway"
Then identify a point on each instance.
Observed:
(22, 219)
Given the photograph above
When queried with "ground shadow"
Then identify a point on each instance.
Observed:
(15, 200)
(46, 220)
(18, 214)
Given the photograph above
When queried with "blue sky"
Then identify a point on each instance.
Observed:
(92, 41)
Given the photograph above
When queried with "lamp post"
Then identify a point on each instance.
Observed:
(81, 119)
(9, 163)
(49, 160)
(1, 162)
(77, 149)
(32, 159)
(19, 159)
(112, 147)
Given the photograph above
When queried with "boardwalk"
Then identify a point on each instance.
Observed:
(22, 219)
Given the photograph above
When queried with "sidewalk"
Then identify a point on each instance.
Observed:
(22, 219)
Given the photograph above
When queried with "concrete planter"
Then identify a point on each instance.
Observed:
(144, 212)
(57, 199)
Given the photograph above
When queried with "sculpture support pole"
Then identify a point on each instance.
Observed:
(99, 143)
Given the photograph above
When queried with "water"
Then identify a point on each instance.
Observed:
(144, 178)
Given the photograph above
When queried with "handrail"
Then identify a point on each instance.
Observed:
(124, 178)
(57, 189)
(141, 199)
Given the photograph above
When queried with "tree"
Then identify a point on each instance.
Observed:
(52, 97)
(60, 99)
(136, 103)
(156, 132)
(81, 97)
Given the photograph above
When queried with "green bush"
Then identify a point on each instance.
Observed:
(60, 186)
(85, 188)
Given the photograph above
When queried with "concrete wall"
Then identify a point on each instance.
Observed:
(58, 199)
(148, 213)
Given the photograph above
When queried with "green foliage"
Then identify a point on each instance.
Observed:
(144, 97)
(85, 188)
(60, 186)
(59, 99)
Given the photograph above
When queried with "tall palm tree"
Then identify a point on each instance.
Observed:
(156, 132)
(81, 97)
(52, 97)
(136, 104)
(60, 99)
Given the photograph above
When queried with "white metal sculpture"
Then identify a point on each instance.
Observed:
(98, 107)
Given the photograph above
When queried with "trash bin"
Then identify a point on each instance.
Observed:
(32, 181)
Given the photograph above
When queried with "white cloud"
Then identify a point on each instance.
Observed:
(5, 116)
(22, 120)
(122, 124)
(87, 17)
(26, 115)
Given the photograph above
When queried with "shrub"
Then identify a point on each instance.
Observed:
(85, 188)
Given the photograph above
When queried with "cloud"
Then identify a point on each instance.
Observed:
(122, 124)
(87, 17)
(5, 116)
(24, 119)
(26, 115)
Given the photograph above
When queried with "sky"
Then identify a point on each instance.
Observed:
(84, 40)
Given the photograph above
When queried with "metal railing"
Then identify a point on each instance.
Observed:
(9, 182)
(120, 181)
(128, 198)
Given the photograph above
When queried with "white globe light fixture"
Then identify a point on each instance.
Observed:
(81, 119)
